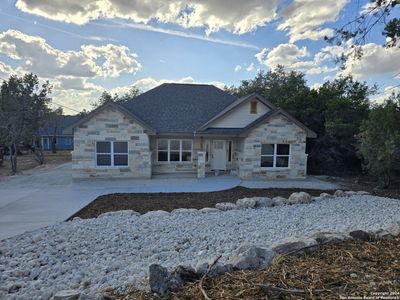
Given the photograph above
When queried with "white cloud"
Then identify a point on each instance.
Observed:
(376, 60)
(241, 17)
(294, 58)
(250, 67)
(34, 54)
(5, 71)
(388, 91)
(303, 18)
(238, 68)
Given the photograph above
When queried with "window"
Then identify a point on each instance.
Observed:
(112, 154)
(253, 107)
(174, 150)
(275, 155)
(68, 141)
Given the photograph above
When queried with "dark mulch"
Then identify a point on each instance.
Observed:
(348, 270)
(144, 202)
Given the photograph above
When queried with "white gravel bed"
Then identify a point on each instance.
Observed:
(116, 249)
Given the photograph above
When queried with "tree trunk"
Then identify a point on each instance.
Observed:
(13, 157)
(53, 144)
(37, 152)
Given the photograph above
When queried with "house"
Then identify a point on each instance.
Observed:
(52, 133)
(189, 129)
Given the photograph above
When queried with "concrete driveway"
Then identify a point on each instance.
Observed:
(48, 195)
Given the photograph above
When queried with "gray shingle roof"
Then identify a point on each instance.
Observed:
(58, 125)
(180, 108)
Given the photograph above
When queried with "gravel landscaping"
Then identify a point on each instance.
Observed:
(116, 249)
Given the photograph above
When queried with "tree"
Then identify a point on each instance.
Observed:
(23, 111)
(380, 139)
(106, 97)
(378, 13)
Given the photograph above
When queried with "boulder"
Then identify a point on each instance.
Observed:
(299, 198)
(218, 269)
(184, 210)
(277, 201)
(361, 235)
(263, 202)
(394, 229)
(363, 193)
(329, 237)
(161, 281)
(209, 210)
(67, 295)
(383, 234)
(350, 193)
(325, 195)
(295, 245)
(339, 193)
(246, 203)
(251, 257)
(224, 206)
(185, 273)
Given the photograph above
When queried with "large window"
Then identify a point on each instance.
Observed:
(275, 155)
(112, 153)
(174, 150)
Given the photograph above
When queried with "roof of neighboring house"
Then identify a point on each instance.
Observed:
(179, 108)
(56, 126)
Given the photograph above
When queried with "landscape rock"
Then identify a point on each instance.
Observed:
(246, 203)
(263, 202)
(67, 295)
(361, 235)
(224, 206)
(339, 193)
(325, 195)
(277, 201)
(209, 210)
(329, 237)
(363, 193)
(299, 198)
(251, 257)
(394, 229)
(350, 193)
(383, 234)
(294, 245)
(161, 281)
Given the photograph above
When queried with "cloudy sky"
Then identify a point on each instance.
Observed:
(86, 46)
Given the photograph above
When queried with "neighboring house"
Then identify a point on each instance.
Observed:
(52, 133)
(189, 129)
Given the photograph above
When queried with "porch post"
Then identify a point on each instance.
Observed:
(201, 164)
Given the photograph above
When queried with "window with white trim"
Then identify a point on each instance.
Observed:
(174, 150)
(275, 155)
(110, 153)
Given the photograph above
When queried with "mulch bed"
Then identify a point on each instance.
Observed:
(346, 270)
(144, 202)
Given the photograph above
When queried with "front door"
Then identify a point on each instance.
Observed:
(218, 155)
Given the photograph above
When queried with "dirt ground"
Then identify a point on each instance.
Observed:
(144, 202)
(348, 270)
(27, 162)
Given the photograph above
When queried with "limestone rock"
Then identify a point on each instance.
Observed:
(224, 206)
(361, 235)
(299, 198)
(277, 201)
(394, 229)
(246, 203)
(161, 281)
(294, 245)
(339, 193)
(209, 210)
(325, 196)
(251, 257)
(263, 202)
(363, 193)
(350, 193)
(329, 237)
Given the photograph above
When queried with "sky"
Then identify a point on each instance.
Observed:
(83, 47)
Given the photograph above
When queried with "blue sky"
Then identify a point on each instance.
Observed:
(85, 47)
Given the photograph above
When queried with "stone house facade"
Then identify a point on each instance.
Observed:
(192, 130)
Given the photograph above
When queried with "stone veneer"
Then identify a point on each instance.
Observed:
(277, 130)
(110, 125)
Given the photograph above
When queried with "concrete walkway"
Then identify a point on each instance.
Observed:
(48, 195)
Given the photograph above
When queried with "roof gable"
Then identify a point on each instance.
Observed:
(69, 129)
(179, 108)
